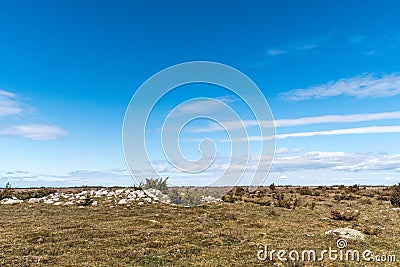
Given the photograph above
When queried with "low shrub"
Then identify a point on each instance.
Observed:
(344, 196)
(305, 192)
(87, 201)
(187, 198)
(344, 215)
(353, 189)
(281, 201)
(42, 192)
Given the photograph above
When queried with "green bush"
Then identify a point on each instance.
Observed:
(187, 198)
(158, 184)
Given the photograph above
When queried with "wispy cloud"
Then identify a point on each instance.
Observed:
(373, 45)
(311, 160)
(108, 177)
(361, 86)
(338, 161)
(295, 48)
(299, 47)
(286, 151)
(37, 132)
(9, 105)
(369, 53)
(356, 39)
(338, 119)
(363, 117)
(349, 131)
(200, 105)
(102, 173)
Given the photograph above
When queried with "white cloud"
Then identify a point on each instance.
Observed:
(361, 130)
(362, 86)
(349, 131)
(37, 132)
(308, 163)
(201, 105)
(369, 53)
(228, 125)
(297, 47)
(337, 161)
(276, 52)
(285, 150)
(338, 119)
(356, 39)
(363, 117)
(109, 177)
(9, 105)
(100, 173)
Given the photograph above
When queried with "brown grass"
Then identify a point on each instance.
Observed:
(223, 234)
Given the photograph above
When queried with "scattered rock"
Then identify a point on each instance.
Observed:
(49, 201)
(33, 200)
(119, 192)
(122, 202)
(120, 197)
(347, 233)
(10, 201)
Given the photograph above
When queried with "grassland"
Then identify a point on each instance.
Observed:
(217, 234)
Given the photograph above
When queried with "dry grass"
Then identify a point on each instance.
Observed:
(223, 234)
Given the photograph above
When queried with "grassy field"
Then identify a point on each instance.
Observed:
(217, 234)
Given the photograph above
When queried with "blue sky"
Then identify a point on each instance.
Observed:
(329, 70)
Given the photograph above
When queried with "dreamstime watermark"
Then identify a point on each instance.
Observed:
(339, 253)
(242, 162)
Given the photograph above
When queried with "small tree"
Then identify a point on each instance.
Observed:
(272, 187)
(395, 196)
(7, 192)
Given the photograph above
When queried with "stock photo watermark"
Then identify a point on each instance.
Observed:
(339, 253)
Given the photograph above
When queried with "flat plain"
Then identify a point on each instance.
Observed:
(226, 233)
